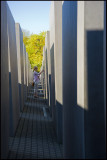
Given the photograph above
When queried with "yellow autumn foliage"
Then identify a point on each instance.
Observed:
(34, 47)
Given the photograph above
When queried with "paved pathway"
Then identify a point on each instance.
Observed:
(35, 136)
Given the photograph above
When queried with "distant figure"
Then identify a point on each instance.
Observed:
(36, 80)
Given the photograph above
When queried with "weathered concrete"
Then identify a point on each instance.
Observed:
(13, 73)
(19, 42)
(4, 83)
(73, 120)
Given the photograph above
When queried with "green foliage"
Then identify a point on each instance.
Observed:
(34, 47)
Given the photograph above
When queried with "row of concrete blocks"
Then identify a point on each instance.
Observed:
(15, 76)
(74, 60)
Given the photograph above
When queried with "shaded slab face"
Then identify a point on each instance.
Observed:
(94, 80)
(30, 73)
(46, 72)
(27, 70)
(84, 108)
(44, 78)
(52, 39)
(25, 78)
(20, 62)
(105, 58)
(73, 114)
(13, 81)
(4, 83)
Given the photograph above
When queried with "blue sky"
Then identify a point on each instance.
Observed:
(33, 16)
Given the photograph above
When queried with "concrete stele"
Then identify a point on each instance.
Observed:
(4, 83)
(52, 40)
(94, 122)
(13, 73)
(30, 74)
(73, 114)
(27, 80)
(83, 88)
(19, 42)
(24, 62)
(47, 45)
(56, 64)
(46, 70)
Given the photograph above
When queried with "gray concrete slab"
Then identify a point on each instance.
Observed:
(46, 68)
(13, 73)
(94, 80)
(47, 45)
(25, 77)
(83, 87)
(45, 73)
(52, 39)
(56, 37)
(58, 67)
(27, 80)
(73, 115)
(19, 42)
(4, 83)
(30, 73)
(105, 59)
(42, 76)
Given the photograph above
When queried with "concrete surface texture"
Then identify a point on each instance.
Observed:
(19, 43)
(4, 83)
(44, 74)
(25, 78)
(47, 45)
(30, 74)
(105, 59)
(13, 74)
(46, 70)
(94, 123)
(52, 40)
(24, 62)
(83, 87)
(72, 124)
(73, 114)
(58, 67)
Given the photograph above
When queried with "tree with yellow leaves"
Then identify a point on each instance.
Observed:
(34, 47)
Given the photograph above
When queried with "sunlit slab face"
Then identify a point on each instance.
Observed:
(80, 54)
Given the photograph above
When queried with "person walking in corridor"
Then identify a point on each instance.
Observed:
(36, 80)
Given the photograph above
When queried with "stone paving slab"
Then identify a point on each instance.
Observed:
(35, 137)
